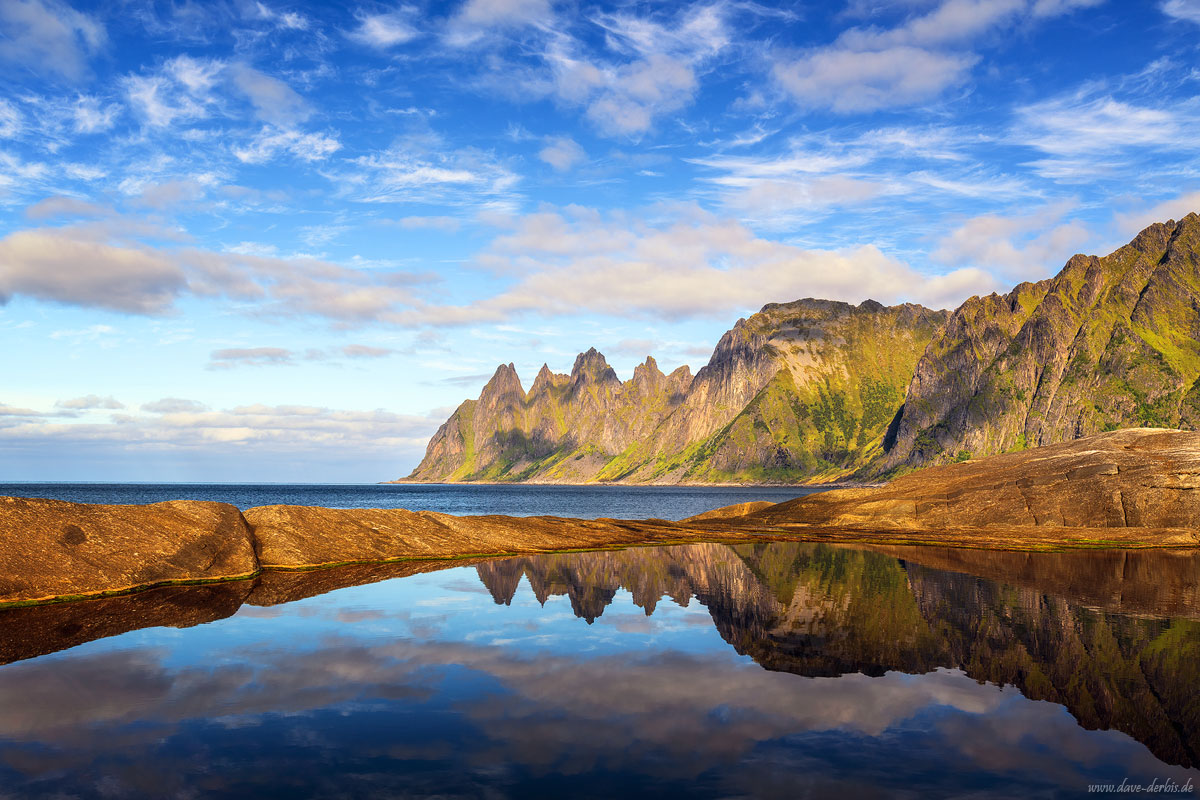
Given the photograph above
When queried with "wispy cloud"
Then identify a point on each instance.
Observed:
(90, 402)
(562, 153)
(1182, 9)
(47, 36)
(868, 68)
(1022, 246)
(383, 31)
(699, 265)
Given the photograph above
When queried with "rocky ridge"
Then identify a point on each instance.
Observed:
(1107, 343)
(798, 390)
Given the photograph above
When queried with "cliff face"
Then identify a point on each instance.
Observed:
(1108, 343)
(803, 390)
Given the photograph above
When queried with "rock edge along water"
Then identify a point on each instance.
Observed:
(1131, 488)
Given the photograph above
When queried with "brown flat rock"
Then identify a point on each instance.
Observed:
(302, 536)
(1118, 486)
(735, 510)
(49, 548)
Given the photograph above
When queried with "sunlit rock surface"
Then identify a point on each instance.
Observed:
(1135, 485)
(50, 548)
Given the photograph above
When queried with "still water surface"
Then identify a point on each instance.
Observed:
(583, 502)
(778, 670)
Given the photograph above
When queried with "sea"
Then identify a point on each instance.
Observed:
(582, 502)
(769, 669)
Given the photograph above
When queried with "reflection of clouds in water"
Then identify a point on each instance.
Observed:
(667, 714)
(465, 585)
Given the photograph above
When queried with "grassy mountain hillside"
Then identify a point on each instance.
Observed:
(798, 391)
(1107, 343)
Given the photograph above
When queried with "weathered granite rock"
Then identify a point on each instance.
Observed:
(299, 536)
(50, 548)
(1136, 480)
(733, 511)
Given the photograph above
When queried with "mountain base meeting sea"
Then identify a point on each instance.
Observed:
(580, 502)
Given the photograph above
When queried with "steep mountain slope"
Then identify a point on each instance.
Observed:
(802, 390)
(799, 390)
(1107, 343)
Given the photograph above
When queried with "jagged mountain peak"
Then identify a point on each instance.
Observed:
(545, 380)
(503, 381)
(592, 367)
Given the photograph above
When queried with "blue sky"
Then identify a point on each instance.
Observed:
(251, 241)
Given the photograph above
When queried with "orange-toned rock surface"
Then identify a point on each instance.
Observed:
(297, 536)
(50, 548)
(1135, 486)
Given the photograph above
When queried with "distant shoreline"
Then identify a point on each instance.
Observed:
(817, 487)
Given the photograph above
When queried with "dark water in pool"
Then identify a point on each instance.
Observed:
(776, 670)
(585, 502)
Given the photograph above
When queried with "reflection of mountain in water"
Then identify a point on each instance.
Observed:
(817, 610)
(1114, 637)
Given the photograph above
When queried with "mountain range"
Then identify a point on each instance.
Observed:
(820, 391)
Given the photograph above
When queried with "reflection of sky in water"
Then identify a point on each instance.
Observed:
(425, 686)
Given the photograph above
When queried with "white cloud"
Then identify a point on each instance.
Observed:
(697, 266)
(11, 122)
(93, 266)
(287, 20)
(425, 171)
(271, 141)
(562, 153)
(384, 30)
(862, 80)
(92, 117)
(365, 351)
(868, 68)
(176, 423)
(60, 206)
(441, 223)
(89, 403)
(157, 99)
(47, 36)
(1182, 9)
(1132, 222)
(1082, 124)
(1024, 246)
(477, 18)
(273, 100)
(174, 405)
(654, 74)
(48, 266)
(249, 357)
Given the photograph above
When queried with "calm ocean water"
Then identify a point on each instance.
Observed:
(584, 502)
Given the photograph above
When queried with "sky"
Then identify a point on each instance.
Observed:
(252, 241)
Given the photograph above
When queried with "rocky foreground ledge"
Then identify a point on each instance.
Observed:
(1137, 487)
(1125, 489)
